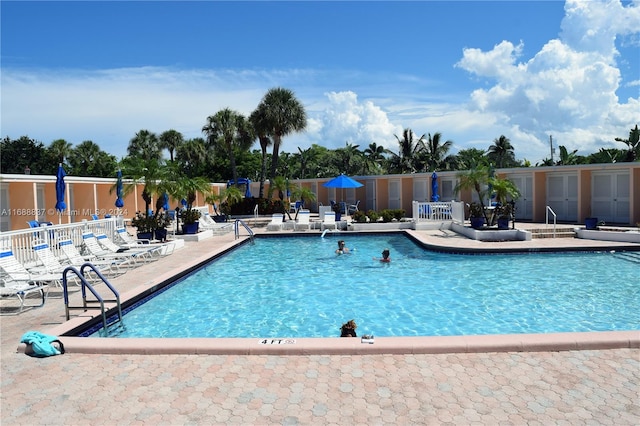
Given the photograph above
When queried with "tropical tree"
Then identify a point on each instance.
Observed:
(477, 180)
(230, 131)
(24, 153)
(566, 157)
(407, 159)
(191, 155)
(145, 144)
(435, 151)
(501, 152)
(373, 158)
(470, 158)
(60, 149)
(171, 140)
(280, 113)
(347, 156)
(83, 157)
(152, 173)
(633, 144)
(261, 128)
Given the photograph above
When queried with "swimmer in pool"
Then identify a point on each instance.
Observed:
(342, 249)
(385, 256)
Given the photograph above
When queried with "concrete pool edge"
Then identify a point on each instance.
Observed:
(551, 342)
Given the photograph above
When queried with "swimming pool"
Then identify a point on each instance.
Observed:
(297, 287)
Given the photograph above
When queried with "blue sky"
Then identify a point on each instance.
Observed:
(471, 70)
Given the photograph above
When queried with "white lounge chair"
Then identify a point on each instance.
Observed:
(128, 241)
(17, 281)
(50, 262)
(146, 253)
(276, 222)
(207, 223)
(91, 245)
(303, 220)
(329, 221)
(21, 290)
(353, 208)
(74, 258)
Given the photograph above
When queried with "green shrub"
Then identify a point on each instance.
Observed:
(373, 215)
(359, 217)
(387, 215)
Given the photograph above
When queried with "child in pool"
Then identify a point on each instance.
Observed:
(385, 256)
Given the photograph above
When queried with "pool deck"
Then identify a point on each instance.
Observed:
(572, 378)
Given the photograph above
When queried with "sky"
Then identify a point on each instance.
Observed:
(364, 71)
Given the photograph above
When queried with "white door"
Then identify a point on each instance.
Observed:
(370, 193)
(562, 196)
(524, 204)
(395, 201)
(447, 186)
(420, 190)
(610, 196)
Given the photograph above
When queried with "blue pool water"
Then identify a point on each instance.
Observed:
(298, 287)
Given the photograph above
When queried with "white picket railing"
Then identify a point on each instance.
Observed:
(438, 211)
(20, 241)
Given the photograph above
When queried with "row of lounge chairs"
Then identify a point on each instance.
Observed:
(303, 222)
(110, 258)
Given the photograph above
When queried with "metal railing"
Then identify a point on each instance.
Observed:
(546, 221)
(236, 227)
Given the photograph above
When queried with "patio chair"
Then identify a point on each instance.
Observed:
(146, 253)
(17, 276)
(303, 220)
(276, 222)
(90, 245)
(136, 243)
(21, 290)
(353, 208)
(218, 228)
(329, 221)
(74, 258)
(50, 262)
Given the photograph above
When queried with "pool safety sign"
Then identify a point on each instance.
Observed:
(277, 341)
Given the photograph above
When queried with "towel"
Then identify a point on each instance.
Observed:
(42, 344)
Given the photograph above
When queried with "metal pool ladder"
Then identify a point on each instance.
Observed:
(236, 228)
(91, 304)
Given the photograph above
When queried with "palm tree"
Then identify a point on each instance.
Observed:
(152, 173)
(229, 130)
(171, 141)
(566, 157)
(435, 151)
(83, 157)
(633, 144)
(346, 155)
(191, 154)
(261, 129)
(145, 144)
(374, 156)
(60, 149)
(407, 160)
(501, 152)
(281, 114)
(477, 180)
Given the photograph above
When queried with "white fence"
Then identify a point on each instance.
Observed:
(20, 241)
(438, 211)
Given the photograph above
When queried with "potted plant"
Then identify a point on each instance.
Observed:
(504, 213)
(591, 223)
(190, 223)
(476, 215)
(145, 224)
(163, 221)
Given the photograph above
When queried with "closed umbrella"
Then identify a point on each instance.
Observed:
(342, 182)
(119, 201)
(60, 191)
(434, 187)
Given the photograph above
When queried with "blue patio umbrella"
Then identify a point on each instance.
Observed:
(119, 202)
(60, 191)
(342, 182)
(434, 187)
(165, 198)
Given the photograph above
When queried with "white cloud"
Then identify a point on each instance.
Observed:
(568, 88)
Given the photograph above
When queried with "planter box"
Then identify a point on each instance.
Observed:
(623, 237)
(382, 226)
